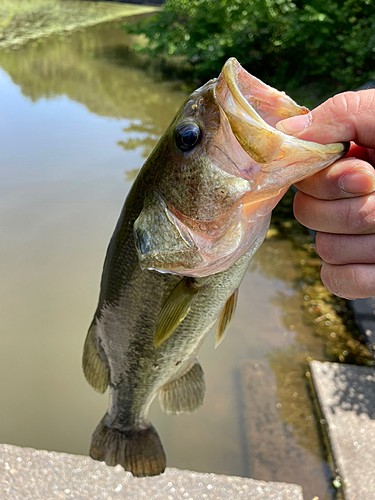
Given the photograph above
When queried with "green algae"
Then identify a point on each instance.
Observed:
(329, 317)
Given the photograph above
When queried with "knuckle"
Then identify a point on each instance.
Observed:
(363, 219)
(329, 280)
(346, 102)
(326, 248)
(360, 281)
(355, 215)
(350, 281)
(298, 205)
(355, 276)
(339, 280)
(302, 208)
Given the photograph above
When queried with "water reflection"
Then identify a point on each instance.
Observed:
(140, 135)
(130, 175)
(94, 67)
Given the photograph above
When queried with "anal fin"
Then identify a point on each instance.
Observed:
(226, 317)
(93, 367)
(185, 394)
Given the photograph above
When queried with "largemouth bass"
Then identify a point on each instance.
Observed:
(194, 217)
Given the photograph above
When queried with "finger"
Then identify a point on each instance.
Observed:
(356, 151)
(346, 178)
(350, 281)
(347, 216)
(339, 249)
(344, 117)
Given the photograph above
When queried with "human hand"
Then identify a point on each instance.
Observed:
(339, 201)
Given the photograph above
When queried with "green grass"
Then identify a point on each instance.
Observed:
(23, 20)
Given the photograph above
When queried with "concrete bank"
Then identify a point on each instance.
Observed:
(346, 396)
(364, 312)
(26, 473)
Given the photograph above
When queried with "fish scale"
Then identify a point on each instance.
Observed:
(194, 217)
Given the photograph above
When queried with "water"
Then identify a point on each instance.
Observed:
(77, 119)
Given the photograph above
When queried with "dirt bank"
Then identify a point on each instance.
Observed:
(23, 20)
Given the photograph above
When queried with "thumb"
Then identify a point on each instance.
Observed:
(345, 117)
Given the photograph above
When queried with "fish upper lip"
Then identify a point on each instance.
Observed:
(285, 106)
(232, 101)
(231, 79)
(238, 94)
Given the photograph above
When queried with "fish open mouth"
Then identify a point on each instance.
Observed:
(253, 109)
(262, 103)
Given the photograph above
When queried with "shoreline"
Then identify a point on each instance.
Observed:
(30, 21)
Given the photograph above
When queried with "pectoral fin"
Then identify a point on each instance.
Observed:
(175, 309)
(93, 367)
(226, 317)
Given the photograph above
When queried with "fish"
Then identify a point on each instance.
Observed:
(196, 213)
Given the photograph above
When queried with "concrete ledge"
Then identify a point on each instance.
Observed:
(364, 312)
(30, 474)
(346, 395)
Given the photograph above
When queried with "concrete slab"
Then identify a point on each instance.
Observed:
(367, 327)
(363, 308)
(31, 474)
(346, 397)
(364, 312)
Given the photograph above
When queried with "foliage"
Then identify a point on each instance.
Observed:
(271, 38)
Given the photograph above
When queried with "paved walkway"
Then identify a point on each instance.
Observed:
(26, 473)
(346, 395)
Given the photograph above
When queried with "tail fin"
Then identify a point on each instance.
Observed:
(138, 450)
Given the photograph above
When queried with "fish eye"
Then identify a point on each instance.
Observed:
(187, 136)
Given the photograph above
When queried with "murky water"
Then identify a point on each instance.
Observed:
(77, 119)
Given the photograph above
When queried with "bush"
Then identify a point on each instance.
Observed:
(283, 42)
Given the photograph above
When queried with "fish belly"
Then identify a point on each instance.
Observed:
(124, 332)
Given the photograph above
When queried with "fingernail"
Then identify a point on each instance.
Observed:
(357, 182)
(295, 124)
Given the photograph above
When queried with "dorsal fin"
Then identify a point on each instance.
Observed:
(226, 317)
(93, 367)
